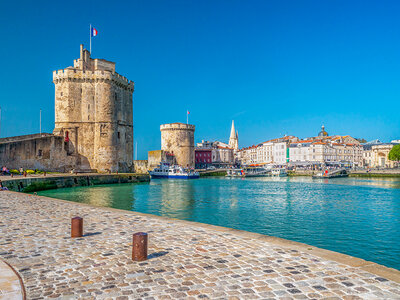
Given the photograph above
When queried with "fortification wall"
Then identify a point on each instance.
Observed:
(141, 166)
(94, 105)
(178, 139)
(46, 153)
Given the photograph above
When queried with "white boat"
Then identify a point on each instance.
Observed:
(248, 172)
(165, 170)
(332, 174)
(279, 172)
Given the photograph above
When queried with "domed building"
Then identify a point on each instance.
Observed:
(323, 133)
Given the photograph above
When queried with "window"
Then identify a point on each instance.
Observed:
(40, 153)
(119, 135)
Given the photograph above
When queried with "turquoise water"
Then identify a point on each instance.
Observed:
(359, 217)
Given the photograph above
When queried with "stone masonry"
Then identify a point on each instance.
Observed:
(94, 113)
(178, 139)
(187, 260)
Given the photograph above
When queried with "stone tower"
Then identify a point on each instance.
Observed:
(178, 138)
(234, 139)
(94, 113)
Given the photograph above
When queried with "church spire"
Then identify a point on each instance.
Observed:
(233, 139)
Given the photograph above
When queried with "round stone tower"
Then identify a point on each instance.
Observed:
(178, 138)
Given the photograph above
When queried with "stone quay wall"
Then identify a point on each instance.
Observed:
(178, 139)
(31, 184)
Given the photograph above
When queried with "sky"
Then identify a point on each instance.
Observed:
(274, 67)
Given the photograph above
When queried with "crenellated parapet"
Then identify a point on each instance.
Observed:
(94, 113)
(82, 76)
(177, 126)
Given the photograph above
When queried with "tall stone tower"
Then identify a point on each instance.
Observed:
(178, 138)
(234, 139)
(94, 113)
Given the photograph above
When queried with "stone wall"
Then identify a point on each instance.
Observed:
(52, 182)
(47, 153)
(157, 156)
(140, 166)
(94, 109)
(178, 139)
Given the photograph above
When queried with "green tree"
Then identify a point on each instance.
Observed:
(362, 141)
(394, 154)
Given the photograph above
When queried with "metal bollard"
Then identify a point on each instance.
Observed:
(76, 227)
(139, 247)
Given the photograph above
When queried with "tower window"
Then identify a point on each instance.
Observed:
(119, 135)
(61, 94)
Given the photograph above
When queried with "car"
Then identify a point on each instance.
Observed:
(211, 168)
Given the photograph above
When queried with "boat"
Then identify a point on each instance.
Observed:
(165, 170)
(332, 174)
(279, 172)
(248, 172)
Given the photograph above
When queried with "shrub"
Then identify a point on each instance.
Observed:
(13, 171)
(30, 172)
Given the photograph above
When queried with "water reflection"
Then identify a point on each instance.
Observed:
(360, 217)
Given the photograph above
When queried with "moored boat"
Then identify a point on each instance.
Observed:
(248, 172)
(165, 170)
(332, 174)
(279, 172)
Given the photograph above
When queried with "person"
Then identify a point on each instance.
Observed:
(5, 171)
(21, 170)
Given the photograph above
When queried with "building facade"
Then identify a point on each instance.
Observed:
(94, 114)
(376, 155)
(220, 153)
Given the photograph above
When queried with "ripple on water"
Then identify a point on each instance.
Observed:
(354, 216)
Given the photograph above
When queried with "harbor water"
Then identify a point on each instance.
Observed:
(358, 217)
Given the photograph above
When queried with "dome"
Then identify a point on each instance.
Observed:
(323, 132)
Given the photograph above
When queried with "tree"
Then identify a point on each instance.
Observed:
(394, 154)
(362, 141)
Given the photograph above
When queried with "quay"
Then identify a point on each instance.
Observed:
(32, 183)
(186, 259)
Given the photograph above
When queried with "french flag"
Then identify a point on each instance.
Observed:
(94, 31)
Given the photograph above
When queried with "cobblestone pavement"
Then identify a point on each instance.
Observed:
(186, 260)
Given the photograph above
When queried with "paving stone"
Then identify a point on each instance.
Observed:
(185, 262)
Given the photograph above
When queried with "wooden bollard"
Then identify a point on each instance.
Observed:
(44, 173)
(76, 227)
(25, 173)
(139, 248)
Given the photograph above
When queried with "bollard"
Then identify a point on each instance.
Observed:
(12, 175)
(44, 173)
(139, 248)
(25, 173)
(76, 227)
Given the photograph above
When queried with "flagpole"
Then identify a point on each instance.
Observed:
(187, 117)
(40, 121)
(90, 37)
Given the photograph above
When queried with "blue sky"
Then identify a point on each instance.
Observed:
(275, 67)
